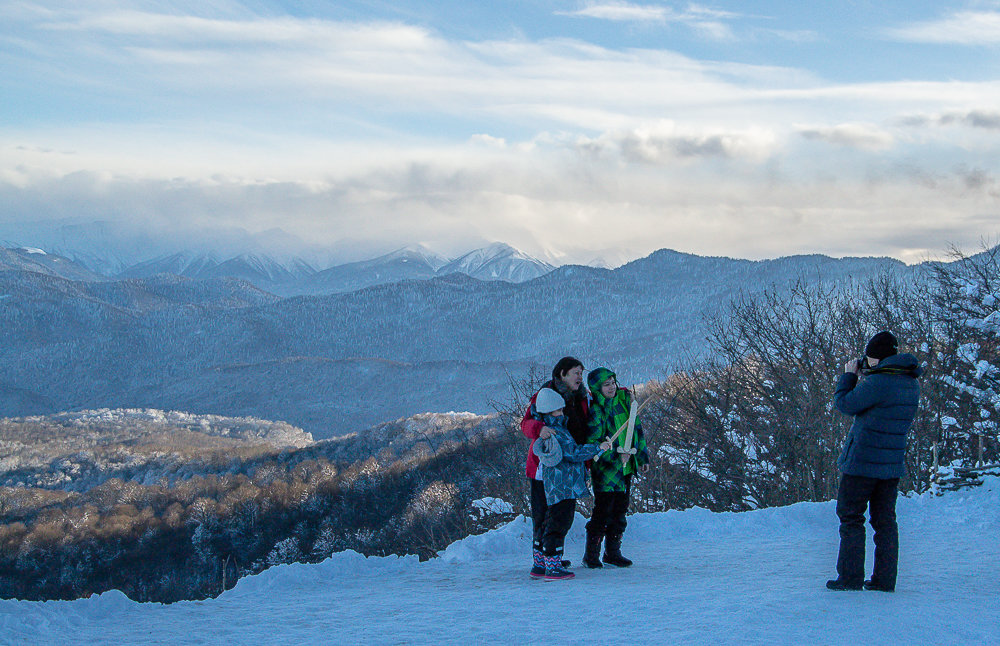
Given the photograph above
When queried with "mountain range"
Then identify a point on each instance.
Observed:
(336, 363)
(296, 276)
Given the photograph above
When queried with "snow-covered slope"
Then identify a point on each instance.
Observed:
(82, 449)
(262, 271)
(498, 262)
(187, 263)
(700, 578)
(37, 260)
(410, 263)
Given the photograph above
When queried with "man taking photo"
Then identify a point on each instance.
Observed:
(881, 391)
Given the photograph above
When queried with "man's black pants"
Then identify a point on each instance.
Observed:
(879, 496)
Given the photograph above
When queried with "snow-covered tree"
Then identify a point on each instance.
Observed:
(966, 339)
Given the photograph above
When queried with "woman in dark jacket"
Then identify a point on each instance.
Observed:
(567, 380)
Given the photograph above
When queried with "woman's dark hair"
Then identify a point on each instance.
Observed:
(564, 365)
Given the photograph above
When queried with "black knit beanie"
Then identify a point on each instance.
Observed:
(882, 345)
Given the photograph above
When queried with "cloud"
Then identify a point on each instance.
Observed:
(254, 64)
(703, 20)
(489, 140)
(379, 79)
(664, 143)
(977, 178)
(984, 119)
(622, 11)
(959, 28)
(399, 133)
(854, 135)
(295, 32)
(553, 197)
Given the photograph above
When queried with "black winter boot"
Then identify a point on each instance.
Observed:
(872, 584)
(592, 557)
(613, 552)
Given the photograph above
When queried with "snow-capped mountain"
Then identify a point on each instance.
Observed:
(185, 263)
(37, 260)
(415, 262)
(296, 276)
(111, 248)
(260, 270)
(498, 261)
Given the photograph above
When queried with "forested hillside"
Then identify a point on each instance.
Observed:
(337, 364)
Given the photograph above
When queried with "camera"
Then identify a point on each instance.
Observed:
(863, 364)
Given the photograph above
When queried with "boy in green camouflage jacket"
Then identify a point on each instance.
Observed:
(611, 472)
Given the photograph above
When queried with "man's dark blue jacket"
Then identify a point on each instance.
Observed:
(884, 404)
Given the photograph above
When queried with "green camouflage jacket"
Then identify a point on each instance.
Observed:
(607, 471)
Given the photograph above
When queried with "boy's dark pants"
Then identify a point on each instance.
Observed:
(879, 496)
(549, 523)
(558, 520)
(539, 508)
(610, 508)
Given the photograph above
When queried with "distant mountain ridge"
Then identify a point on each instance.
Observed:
(37, 260)
(335, 364)
(262, 271)
(296, 277)
(409, 263)
(498, 262)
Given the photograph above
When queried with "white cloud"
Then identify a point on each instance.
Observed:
(986, 119)
(489, 140)
(664, 143)
(855, 135)
(622, 11)
(713, 30)
(960, 28)
(661, 187)
(705, 21)
(248, 71)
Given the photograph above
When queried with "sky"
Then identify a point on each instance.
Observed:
(570, 129)
(750, 578)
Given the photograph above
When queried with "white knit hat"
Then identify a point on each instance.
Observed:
(548, 400)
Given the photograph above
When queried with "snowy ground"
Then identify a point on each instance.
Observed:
(699, 578)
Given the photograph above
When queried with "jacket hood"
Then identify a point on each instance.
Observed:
(898, 364)
(597, 377)
(549, 451)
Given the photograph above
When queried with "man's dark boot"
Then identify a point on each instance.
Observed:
(592, 557)
(842, 586)
(613, 551)
(872, 584)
